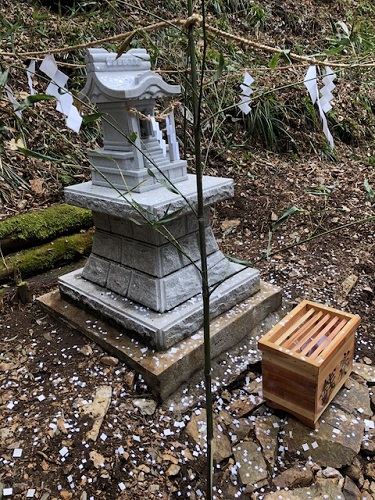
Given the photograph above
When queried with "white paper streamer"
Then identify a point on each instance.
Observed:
(14, 101)
(158, 134)
(326, 96)
(30, 72)
(57, 89)
(172, 139)
(245, 100)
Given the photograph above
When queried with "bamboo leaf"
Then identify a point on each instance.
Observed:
(4, 77)
(167, 218)
(274, 61)
(285, 216)
(220, 68)
(125, 44)
(31, 99)
(39, 156)
(92, 118)
(370, 192)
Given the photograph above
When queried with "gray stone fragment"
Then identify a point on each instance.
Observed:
(298, 476)
(351, 490)
(334, 444)
(354, 398)
(252, 468)
(365, 371)
(267, 428)
(323, 490)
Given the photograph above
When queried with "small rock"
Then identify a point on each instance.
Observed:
(294, 477)
(86, 350)
(146, 406)
(173, 470)
(252, 467)
(354, 470)
(370, 470)
(97, 459)
(239, 429)
(109, 361)
(367, 360)
(281, 495)
(350, 490)
(329, 473)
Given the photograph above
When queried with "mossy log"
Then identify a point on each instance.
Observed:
(60, 251)
(32, 229)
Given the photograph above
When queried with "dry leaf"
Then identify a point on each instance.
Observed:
(170, 458)
(37, 186)
(226, 225)
(97, 459)
(44, 466)
(348, 284)
(173, 470)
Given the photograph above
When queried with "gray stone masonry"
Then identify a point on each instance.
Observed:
(133, 267)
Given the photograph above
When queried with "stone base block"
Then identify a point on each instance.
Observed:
(166, 371)
(161, 331)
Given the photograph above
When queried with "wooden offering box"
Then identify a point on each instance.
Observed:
(306, 358)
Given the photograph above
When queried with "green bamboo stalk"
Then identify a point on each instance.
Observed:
(196, 104)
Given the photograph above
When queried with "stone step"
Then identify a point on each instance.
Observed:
(166, 371)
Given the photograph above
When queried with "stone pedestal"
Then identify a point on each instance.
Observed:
(145, 276)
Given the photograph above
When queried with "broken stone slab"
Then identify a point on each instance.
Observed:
(298, 476)
(354, 398)
(334, 444)
(351, 490)
(325, 489)
(281, 495)
(365, 371)
(251, 466)
(97, 410)
(368, 442)
(267, 429)
(197, 430)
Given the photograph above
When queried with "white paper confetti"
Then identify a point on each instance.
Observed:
(17, 452)
(30, 493)
(305, 447)
(64, 451)
(7, 492)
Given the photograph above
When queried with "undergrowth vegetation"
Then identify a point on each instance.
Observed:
(282, 118)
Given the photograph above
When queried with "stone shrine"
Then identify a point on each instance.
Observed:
(142, 275)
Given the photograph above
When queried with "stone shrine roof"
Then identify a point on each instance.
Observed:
(127, 77)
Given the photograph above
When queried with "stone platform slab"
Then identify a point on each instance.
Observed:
(166, 371)
(160, 331)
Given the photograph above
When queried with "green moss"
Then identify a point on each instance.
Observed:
(33, 228)
(35, 260)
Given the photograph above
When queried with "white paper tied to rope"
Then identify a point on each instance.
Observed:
(57, 88)
(174, 153)
(326, 96)
(245, 100)
(158, 134)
